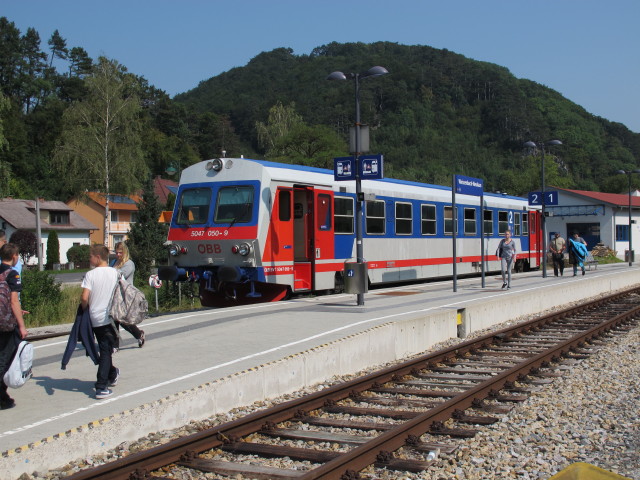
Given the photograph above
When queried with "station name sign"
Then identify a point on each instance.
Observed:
(468, 185)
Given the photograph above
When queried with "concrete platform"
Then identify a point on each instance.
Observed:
(199, 364)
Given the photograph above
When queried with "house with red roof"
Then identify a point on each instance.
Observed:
(597, 217)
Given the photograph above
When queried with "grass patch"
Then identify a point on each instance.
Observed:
(55, 313)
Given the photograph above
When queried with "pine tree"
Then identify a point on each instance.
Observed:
(147, 236)
(53, 249)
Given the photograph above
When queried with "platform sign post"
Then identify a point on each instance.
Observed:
(466, 186)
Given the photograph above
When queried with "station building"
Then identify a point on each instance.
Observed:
(597, 217)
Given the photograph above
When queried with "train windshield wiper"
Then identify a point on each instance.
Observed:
(244, 211)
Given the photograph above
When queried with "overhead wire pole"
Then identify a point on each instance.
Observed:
(628, 174)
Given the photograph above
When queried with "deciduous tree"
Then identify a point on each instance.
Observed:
(100, 147)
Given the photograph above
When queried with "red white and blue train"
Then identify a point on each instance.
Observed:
(254, 231)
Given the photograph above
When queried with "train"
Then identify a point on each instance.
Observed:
(251, 231)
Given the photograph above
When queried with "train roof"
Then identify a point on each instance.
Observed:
(325, 171)
(291, 172)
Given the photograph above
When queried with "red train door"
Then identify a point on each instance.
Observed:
(535, 239)
(303, 238)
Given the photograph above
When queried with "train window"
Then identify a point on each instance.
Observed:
(525, 224)
(428, 221)
(488, 222)
(343, 217)
(234, 204)
(470, 227)
(194, 206)
(448, 221)
(503, 222)
(404, 218)
(323, 210)
(284, 205)
(375, 217)
(516, 224)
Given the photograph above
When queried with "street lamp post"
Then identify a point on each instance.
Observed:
(372, 72)
(628, 174)
(543, 200)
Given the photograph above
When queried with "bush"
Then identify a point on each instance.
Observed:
(78, 254)
(41, 296)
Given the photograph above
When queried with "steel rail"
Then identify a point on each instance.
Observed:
(137, 465)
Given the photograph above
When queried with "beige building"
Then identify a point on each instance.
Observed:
(123, 212)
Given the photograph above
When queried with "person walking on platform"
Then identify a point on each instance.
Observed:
(12, 327)
(507, 254)
(127, 268)
(557, 248)
(577, 253)
(97, 289)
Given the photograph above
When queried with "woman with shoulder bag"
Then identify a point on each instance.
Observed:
(507, 254)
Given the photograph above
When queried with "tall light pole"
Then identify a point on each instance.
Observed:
(628, 173)
(543, 200)
(372, 72)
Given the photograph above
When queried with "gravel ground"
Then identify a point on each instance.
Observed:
(588, 415)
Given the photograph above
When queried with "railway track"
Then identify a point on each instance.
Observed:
(396, 418)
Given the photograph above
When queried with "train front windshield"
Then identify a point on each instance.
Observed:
(234, 205)
(194, 206)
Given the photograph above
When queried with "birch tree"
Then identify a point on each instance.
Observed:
(100, 147)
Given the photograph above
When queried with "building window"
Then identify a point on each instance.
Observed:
(503, 222)
(622, 233)
(429, 223)
(133, 217)
(516, 224)
(404, 218)
(470, 221)
(117, 239)
(375, 217)
(59, 218)
(343, 217)
(114, 215)
(488, 222)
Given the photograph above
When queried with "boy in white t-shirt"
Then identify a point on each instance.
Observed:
(97, 288)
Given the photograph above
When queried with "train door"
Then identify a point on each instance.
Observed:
(535, 239)
(303, 238)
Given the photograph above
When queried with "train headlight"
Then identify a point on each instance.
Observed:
(216, 165)
(243, 249)
(174, 250)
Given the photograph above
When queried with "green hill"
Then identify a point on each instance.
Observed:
(435, 114)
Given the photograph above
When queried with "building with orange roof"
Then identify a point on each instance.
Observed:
(123, 212)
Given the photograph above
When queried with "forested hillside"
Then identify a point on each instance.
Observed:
(435, 114)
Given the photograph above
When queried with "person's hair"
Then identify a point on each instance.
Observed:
(125, 254)
(100, 251)
(507, 231)
(3, 234)
(7, 251)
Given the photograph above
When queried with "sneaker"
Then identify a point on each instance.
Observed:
(504, 285)
(583, 272)
(7, 404)
(508, 288)
(104, 393)
(141, 339)
(114, 382)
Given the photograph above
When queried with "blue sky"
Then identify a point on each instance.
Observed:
(588, 50)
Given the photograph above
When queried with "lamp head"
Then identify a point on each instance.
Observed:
(530, 144)
(337, 76)
(375, 72)
(554, 142)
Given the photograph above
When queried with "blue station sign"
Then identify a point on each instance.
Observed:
(550, 197)
(468, 185)
(371, 167)
(344, 168)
